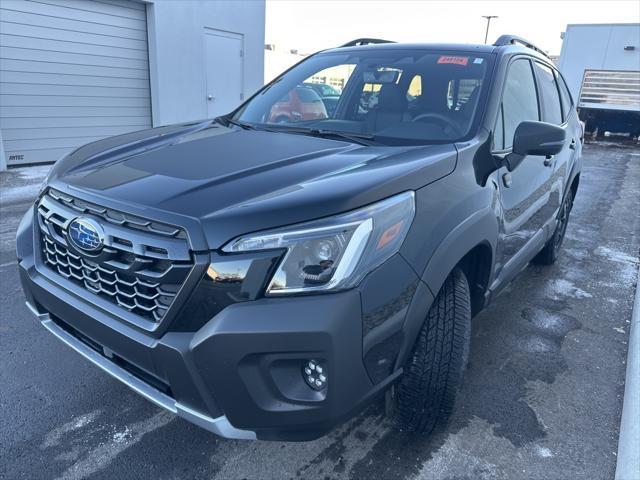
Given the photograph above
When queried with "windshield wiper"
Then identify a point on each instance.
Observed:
(226, 121)
(353, 137)
(359, 138)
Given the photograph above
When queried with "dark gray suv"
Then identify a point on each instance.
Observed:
(268, 280)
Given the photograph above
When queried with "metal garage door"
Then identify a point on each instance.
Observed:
(71, 72)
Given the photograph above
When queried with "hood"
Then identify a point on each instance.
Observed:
(230, 181)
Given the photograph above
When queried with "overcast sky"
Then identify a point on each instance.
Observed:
(311, 25)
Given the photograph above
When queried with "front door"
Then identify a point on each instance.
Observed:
(224, 63)
(525, 192)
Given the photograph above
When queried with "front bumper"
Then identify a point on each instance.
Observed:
(240, 374)
(219, 426)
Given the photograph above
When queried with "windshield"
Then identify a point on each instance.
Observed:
(396, 97)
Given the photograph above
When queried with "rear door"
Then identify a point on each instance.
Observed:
(525, 192)
(554, 112)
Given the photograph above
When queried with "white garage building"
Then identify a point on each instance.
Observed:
(74, 71)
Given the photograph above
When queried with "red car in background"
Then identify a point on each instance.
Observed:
(301, 103)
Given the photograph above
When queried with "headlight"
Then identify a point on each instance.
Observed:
(336, 252)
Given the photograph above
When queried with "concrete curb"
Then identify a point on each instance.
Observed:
(628, 466)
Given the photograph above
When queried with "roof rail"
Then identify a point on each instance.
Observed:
(513, 40)
(364, 41)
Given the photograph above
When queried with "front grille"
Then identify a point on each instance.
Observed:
(116, 217)
(140, 269)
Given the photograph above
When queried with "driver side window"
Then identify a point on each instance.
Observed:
(519, 103)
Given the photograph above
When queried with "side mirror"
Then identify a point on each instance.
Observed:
(535, 138)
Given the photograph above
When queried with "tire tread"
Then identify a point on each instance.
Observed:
(433, 372)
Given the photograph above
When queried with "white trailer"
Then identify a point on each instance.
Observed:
(601, 63)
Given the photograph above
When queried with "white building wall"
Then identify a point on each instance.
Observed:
(598, 47)
(177, 58)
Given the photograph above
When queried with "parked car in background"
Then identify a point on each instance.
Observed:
(269, 273)
(328, 94)
(322, 89)
(300, 104)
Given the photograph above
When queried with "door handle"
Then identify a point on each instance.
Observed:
(211, 98)
(572, 145)
(548, 161)
(506, 180)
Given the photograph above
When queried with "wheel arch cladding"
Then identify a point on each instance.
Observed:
(471, 246)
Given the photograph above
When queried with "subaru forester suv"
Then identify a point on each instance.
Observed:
(268, 279)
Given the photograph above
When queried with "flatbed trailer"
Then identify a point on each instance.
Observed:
(601, 63)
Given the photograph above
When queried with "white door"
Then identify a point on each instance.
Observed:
(71, 72)
(225, 71)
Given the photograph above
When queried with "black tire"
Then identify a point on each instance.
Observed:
(433, 373)
(549, 254)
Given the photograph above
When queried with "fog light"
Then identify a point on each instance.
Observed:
(315, 375)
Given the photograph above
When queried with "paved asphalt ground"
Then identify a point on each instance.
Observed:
(542, 397)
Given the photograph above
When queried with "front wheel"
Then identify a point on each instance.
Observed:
(549, 254)
(433, 371)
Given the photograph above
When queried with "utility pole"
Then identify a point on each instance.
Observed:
(488, 17)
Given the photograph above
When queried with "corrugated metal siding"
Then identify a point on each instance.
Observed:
(71, 72)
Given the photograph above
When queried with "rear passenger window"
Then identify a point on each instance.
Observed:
(565, 96)
(519, 100)
(550, 95)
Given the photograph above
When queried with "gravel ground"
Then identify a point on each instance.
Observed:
(541, 399)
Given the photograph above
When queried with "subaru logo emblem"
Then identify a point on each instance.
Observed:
(86, 235)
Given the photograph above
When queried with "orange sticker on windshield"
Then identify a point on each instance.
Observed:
(454, 60)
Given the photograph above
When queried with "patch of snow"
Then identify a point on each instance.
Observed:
(619, 329)
(578, 254)
(54, 437)
(543, 452)
(559, 288)
(102, 455)
(37, 172)
(463, 456)
(22, 184)
(23, 193)
(537, 344)
(122, 436)
(627, 265)
(615, 255)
